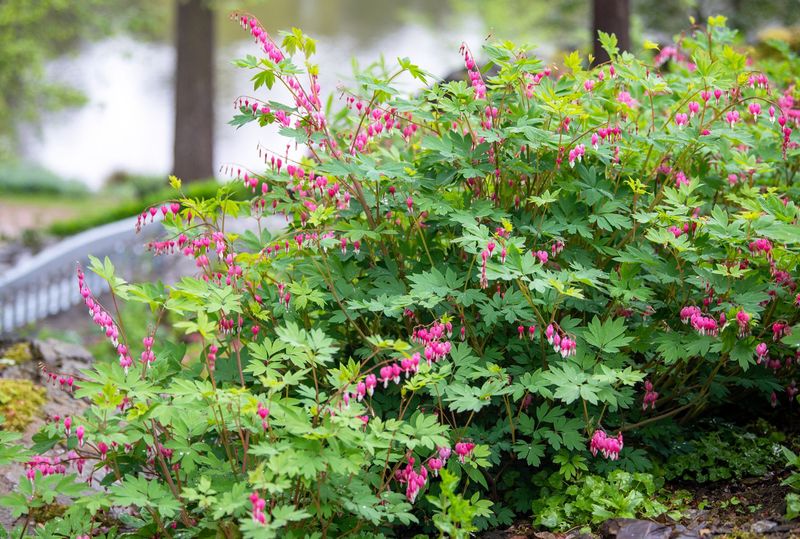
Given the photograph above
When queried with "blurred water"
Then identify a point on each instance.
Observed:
(127, 124)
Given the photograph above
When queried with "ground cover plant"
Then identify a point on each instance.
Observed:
(722, 454)
(476, 282)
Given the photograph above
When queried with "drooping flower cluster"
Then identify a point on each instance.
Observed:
(761, 245)
(792, 391)
(474, 73)
(211, 356)
(762, 356)
(436, 340)
(541, 256)
(557, 247)
(258, 505)
(607, 446)
(780, 330)
(743, 320)
(380, 120)
(151, 212)
(412, 479)
(650, 396)
(261, 36)
(437, 346)
(603, 133)
(148, 356)
(761, 352)
(106, 322)
(704, 325)
(487, 254)
(393, 372)
(45, 465)
(464, 450)
(531, 331)
(685, 229)
(438, 462)
(674, 54)
(64, 381)
(263, 414)
(576, 154)
(532, 80)
(681, 179)
(364, 388)
(560, 341)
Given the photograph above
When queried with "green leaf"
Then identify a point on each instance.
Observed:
(608, 336)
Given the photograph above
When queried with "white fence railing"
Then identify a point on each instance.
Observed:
(46, 284)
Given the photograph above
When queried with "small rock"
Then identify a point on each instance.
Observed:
(682, 532)
(628, 528)
(54, 352)
(763, 526)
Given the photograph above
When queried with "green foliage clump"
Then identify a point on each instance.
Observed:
(723, 454)
(591, 499)
(20, 402)
(455, 514)
(793, 482)
(19, 178)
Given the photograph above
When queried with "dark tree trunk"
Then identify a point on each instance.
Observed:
(194, 91)
(612, 17)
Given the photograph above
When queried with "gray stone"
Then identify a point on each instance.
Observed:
(763, 526)
(53, 352)
(629, 528)
(682, 532)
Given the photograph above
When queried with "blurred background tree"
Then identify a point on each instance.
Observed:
(33, 32)
(611, 17)
(193, 147)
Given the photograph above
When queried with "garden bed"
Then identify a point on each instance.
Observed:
(521, 296)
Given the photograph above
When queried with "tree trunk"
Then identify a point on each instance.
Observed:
(194, 91)
(611, 17)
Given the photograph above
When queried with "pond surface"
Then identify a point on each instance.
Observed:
(126, 126)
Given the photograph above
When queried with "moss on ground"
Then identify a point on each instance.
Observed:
(20, 402)
(47, 512)
(15, 354)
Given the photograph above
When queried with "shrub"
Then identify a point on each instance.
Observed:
(19, 178)
(489, 278)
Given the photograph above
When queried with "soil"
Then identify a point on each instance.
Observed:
(738, 505)
(16, 218)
